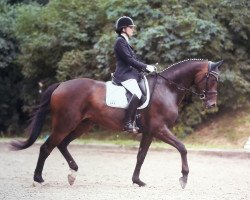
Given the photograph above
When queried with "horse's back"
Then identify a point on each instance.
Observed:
(80, 84)
(75, 93)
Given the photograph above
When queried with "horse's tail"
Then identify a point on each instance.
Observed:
(37, 121)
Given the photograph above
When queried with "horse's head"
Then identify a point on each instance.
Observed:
(206, 84)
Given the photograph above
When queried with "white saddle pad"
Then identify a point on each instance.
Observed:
(116, 96)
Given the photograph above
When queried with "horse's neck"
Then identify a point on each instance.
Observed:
(182, 76)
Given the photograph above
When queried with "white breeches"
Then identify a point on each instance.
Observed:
(132, 86)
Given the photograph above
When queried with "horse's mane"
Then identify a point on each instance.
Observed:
(183, 61)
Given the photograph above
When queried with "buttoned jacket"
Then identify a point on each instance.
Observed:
(127, 64)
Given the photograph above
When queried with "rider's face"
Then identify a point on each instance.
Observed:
(130, 30)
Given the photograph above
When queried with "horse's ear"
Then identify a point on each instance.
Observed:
(217, 64)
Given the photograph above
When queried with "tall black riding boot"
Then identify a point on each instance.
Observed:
(130, 115)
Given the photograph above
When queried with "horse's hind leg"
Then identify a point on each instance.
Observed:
(166, 136)
(44, 153)
(143, 149)
(60, 131)
(82, 127)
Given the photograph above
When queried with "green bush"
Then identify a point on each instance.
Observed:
(65, 39)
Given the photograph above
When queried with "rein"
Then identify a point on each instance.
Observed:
(179, 87)
(182, 88)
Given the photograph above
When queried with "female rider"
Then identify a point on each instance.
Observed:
(128, 69)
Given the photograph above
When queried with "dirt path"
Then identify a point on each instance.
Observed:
(106, 174)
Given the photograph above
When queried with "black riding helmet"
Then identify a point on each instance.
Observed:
(123, 22)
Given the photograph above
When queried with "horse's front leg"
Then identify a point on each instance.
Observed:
(166, 136)
(143, 149)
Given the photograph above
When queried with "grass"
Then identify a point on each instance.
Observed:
(229, 129)
(226, 130)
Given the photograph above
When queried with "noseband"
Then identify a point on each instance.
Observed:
(204, 93)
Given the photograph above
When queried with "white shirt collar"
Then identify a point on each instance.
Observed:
(125, 36)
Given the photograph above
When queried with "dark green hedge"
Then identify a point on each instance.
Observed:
(65, 39)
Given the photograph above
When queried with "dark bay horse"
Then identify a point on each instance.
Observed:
(76, 105)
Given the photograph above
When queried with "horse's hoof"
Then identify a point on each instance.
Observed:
(183, 182)
(37, 184)
(140, 183)
(72, 176)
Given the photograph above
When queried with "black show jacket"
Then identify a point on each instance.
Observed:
(127, 64)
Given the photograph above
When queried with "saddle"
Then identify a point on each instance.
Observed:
(118, 97)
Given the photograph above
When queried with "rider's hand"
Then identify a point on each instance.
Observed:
(150, 68)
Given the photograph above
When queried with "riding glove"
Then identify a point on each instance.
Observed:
(150, 68)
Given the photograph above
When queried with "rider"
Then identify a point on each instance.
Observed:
(128, 69)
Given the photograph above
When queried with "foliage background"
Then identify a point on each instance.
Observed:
(49, 41)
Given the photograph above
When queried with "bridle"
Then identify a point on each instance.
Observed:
(205, 91)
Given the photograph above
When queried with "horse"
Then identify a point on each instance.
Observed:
(78, 104)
